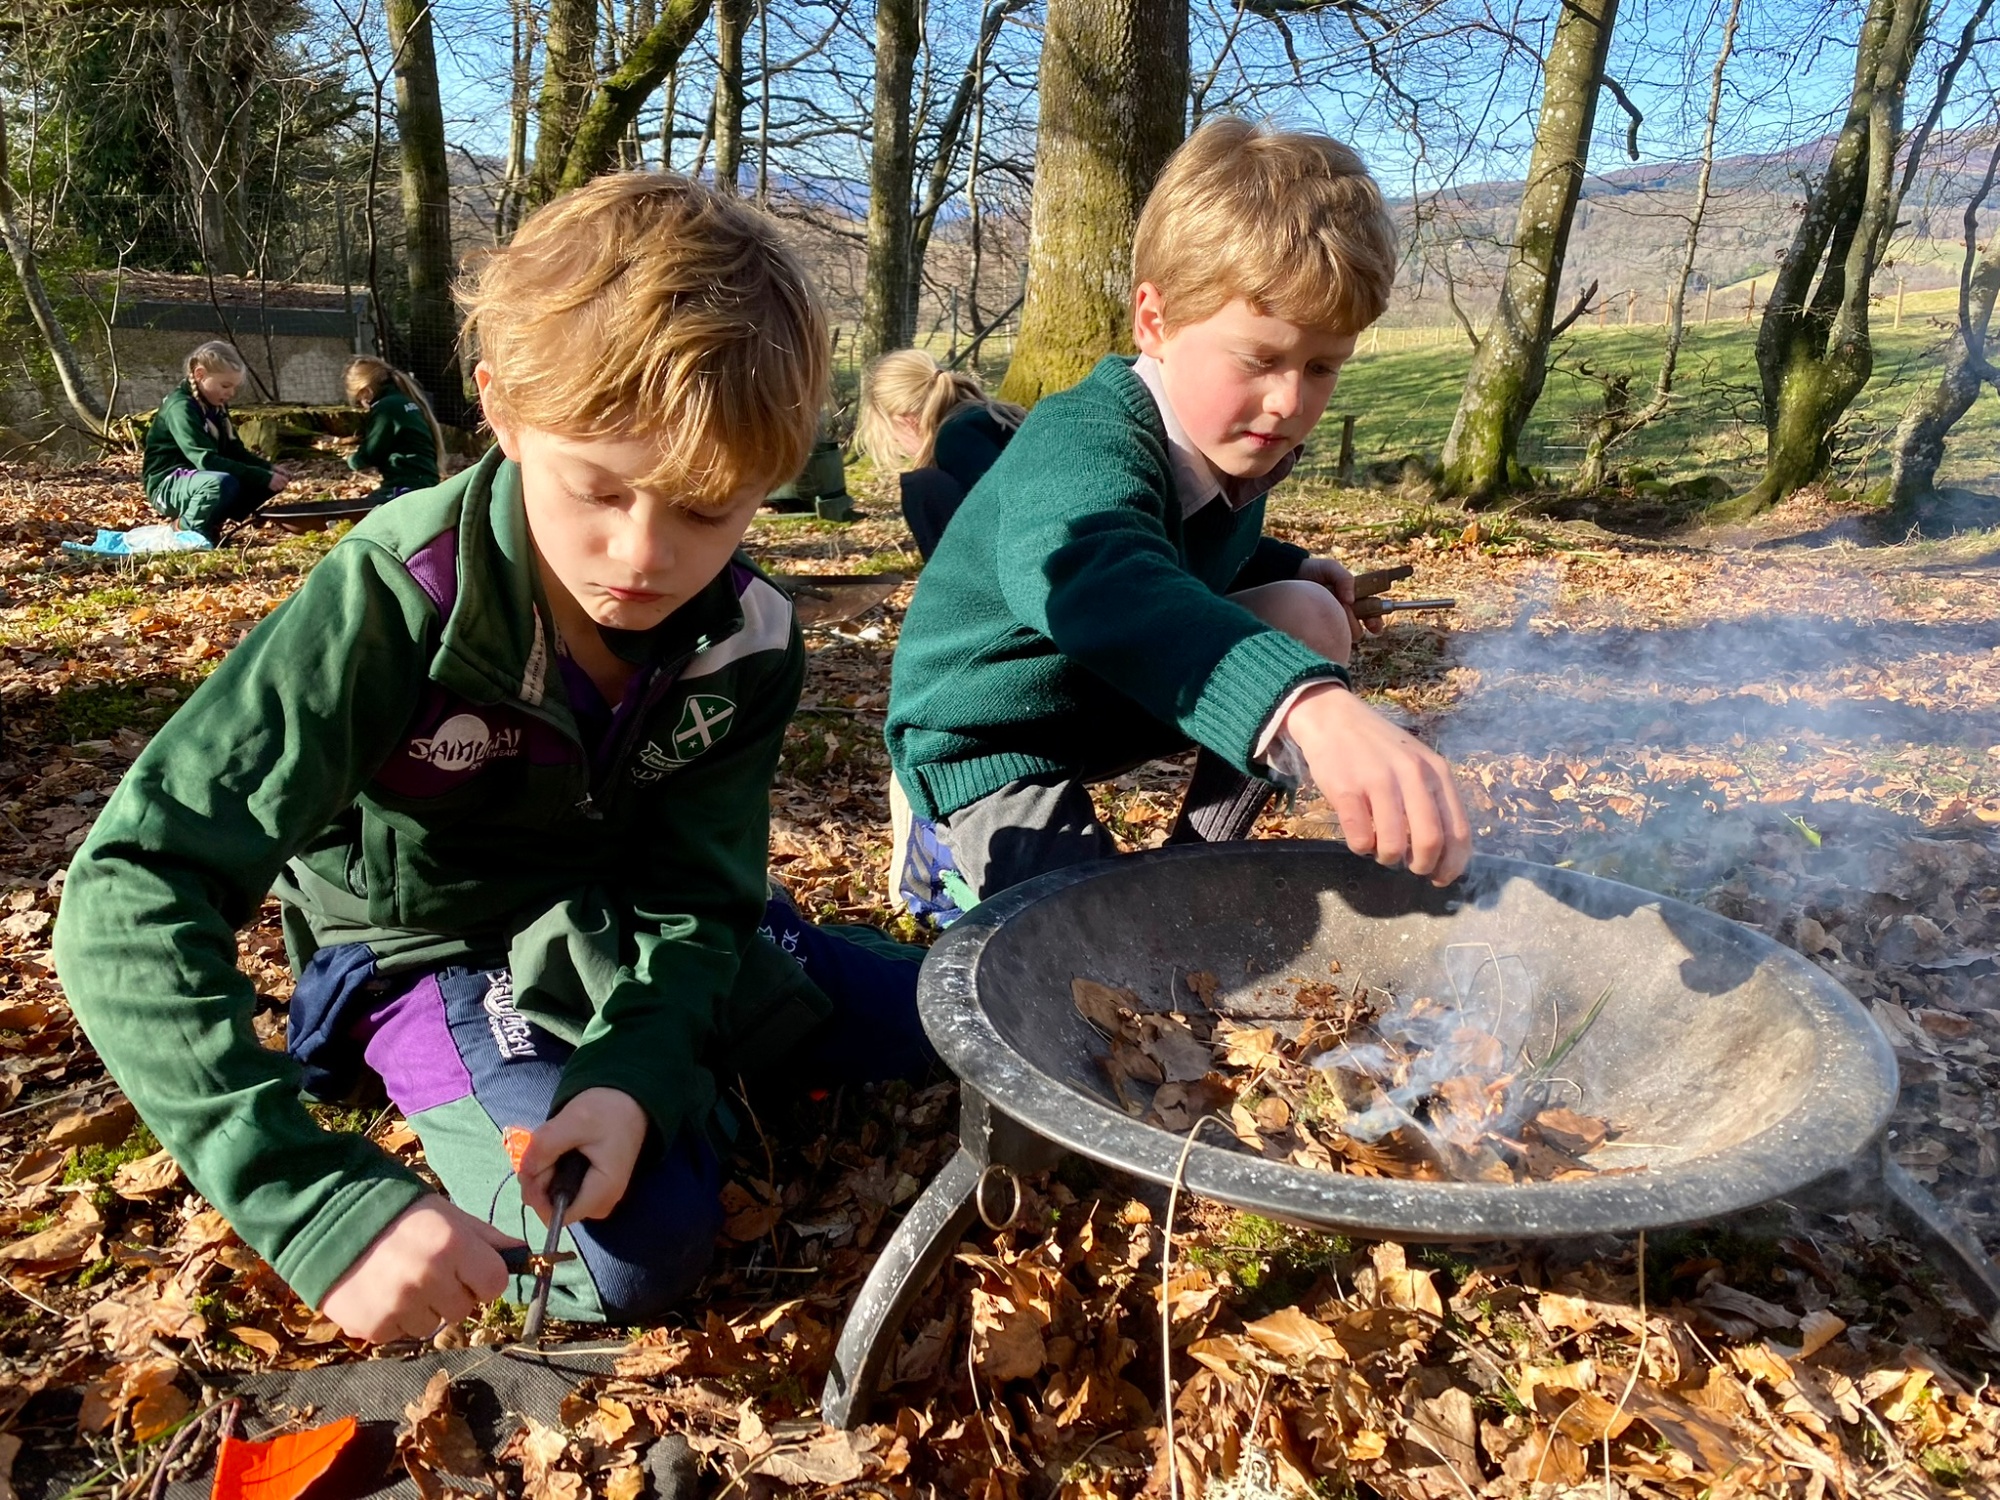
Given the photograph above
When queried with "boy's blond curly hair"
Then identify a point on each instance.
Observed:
(1289, 221)
(643, 304)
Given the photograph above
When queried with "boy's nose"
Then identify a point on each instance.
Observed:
(1284, 396)
(645, 543)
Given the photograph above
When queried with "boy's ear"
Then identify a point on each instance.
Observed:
(1149, 319)
(503, 430)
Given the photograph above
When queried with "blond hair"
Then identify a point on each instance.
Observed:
(368, 377)
(643, 304)
(910, 383)
(1288, 221)
(214, 356)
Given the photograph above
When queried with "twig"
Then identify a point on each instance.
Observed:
(81, 1088)
(1167, 1303)
(164, 1468)
(1638, 1364)
(4, 1281)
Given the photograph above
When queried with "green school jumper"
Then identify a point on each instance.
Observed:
(411, 778)
(398, 442)
(191, 452)
(1073, 621)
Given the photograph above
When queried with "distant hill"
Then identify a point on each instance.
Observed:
(1632, 221)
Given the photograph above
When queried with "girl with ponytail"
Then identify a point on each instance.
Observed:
(937, 424)
(402, 439)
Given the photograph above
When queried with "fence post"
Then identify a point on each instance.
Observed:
(1707, 302)
(1631, 302)
(1750, 307)
(1899, 302)
(1345, 472)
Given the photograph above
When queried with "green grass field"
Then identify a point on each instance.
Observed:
(1403, 400)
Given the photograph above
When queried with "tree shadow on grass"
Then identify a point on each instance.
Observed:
(97, 709)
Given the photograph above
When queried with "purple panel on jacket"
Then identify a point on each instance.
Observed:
(409, 1044)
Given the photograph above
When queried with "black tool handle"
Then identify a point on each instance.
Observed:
(571, 1168)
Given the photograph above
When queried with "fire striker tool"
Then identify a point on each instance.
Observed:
(1379, 580)
(1372, 609)
(569, 1174)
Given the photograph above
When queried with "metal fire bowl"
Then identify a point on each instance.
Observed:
(1736, 1072)
(1744, 1070)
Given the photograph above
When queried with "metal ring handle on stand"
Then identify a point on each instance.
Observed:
(1001, 1172)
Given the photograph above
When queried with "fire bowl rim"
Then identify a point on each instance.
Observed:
(1844, 1111)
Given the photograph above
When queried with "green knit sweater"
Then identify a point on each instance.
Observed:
(1073, 621)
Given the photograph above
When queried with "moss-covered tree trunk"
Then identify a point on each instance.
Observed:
(1919, 444)
(1114, 87)
(615, 106)
(426, 182)
(82, 396)
(1813, 349)
(1511, 363)
(732, 19)
(887, 306)
(569, 71)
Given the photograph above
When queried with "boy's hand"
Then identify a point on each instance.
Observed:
(1393, 794)
(279, 479)
(433, 1265)
(606, 1125)
(1336, 580)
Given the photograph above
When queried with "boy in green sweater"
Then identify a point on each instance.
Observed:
(196, 469)
(505, 758)
(1106, 594)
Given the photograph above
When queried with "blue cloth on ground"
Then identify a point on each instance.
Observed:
(140, 541)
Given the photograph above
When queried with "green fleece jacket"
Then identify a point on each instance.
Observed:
(397, 441)
(1073, 619)
(393, 750)
(187, 433)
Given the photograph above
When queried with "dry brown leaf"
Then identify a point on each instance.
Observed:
(266, 1344)
(1291, 1335)
(1400, 1286)
(94, 1127)
(437, 1442)
(828, 1459)
(63, 1246)
(159, 1410)
(158, 1173)
(1100, 1004)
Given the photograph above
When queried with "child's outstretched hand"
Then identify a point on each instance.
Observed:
(433, 1265)
(606, 1125)
(280, 477)
(1393, 794)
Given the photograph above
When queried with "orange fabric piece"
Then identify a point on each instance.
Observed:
(515, 1138)
(282, 1467)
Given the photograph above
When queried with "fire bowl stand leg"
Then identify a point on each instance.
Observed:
(922, 1243)
(1876, 1182)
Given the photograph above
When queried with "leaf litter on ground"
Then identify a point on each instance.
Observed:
(1794, 1357)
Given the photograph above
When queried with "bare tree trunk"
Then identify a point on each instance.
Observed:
(426, 208)
(199, 151)
(1511, 363)
(77, 388)
(971, 87)
(733, 19)
(618, 100)
(1615, 428)
(568, 73)
(887, 300)
(1919, 444)
(1814, 353)
(1114, 85)
(514, 182)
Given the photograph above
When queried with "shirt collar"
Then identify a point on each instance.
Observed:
(1194, 476)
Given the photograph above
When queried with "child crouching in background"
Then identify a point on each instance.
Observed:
(196, 469)
(402, 440)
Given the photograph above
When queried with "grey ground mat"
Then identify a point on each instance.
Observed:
(492, 1388)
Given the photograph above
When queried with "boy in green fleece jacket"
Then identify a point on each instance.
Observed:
(196, 469)
(1106, 594)
(505, 758)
